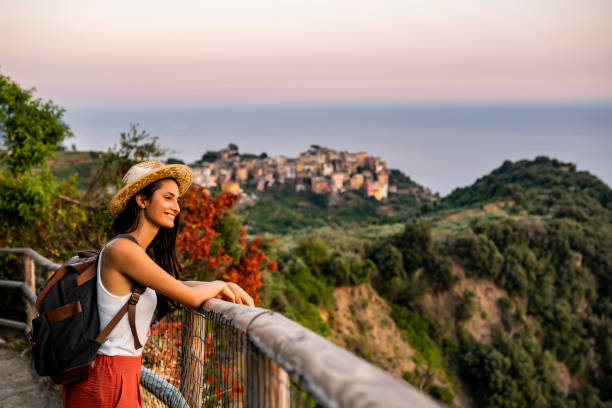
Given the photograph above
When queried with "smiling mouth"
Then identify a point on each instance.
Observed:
(171, 216)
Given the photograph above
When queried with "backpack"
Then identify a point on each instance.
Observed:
(66, 334)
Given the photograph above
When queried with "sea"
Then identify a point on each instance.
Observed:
(440, 146)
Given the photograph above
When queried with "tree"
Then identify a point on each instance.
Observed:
(194, 242)
(135, 146)
(481, 256)
(314, 253)
(438, 272)
(466, 305)
(210, 156)
(389, 261)
(31, 130)
(247, 272)
(414, 243)
(173, 160)
(212, 244)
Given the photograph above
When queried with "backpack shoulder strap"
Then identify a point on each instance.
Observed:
(128, 236)
(136, 292)
(129, 308)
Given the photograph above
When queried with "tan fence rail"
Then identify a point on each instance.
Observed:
(227, 355)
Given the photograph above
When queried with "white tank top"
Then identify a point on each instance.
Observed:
(120, 341)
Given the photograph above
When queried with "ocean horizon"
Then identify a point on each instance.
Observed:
(441, 146)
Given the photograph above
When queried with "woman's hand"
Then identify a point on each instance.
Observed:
(225, 293)
(242, 298)
(231, 292)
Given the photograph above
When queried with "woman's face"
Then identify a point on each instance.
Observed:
(164, 205)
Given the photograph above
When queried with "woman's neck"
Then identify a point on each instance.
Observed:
(144, 234)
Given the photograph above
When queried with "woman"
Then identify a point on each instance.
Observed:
(146, 218)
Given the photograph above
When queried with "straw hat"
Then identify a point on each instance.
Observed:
(142, 174)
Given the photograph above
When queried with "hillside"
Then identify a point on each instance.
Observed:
(82, 164)
(361, 323)
(531, 183)
(283, 211)
(501, 291)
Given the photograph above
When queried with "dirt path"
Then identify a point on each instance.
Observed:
(20, 386)
(485, 208)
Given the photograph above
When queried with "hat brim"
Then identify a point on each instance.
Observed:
(181, 173)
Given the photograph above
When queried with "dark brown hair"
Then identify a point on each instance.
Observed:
(162, 249)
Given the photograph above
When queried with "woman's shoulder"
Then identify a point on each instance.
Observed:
(119, 248)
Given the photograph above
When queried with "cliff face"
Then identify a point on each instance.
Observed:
(361, 323)
(442, 306)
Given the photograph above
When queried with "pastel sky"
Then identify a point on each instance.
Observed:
(145, 53)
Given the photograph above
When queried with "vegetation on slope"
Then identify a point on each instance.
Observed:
(552, 254)
(282, 210)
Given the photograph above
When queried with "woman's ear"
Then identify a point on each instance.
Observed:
(140, 201)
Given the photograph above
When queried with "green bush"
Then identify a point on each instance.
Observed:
(389, 261)
(438, 272)
(503, 232)
(466, 306)
(519, 272)
(442, 394)
(414, 244)
(314, 253)
(480, 255)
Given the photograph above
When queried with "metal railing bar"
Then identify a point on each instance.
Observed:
(38, 258)
(163, 390)
(17, 284)
(14, 325)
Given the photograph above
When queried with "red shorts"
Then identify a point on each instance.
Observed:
(112, 383)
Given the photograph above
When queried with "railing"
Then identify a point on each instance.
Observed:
(228, 355)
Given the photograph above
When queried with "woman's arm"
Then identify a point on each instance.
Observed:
(192, 283)
(131, 260)
(242, 298)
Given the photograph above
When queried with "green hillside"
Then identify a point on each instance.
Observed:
(82, 164)
(282, 210)
(538, 185)
(506, 306)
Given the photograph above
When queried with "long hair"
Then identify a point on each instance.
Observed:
(162, 248)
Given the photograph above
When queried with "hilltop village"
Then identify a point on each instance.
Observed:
(319, 169)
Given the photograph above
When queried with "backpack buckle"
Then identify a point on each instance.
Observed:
(134, 298)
